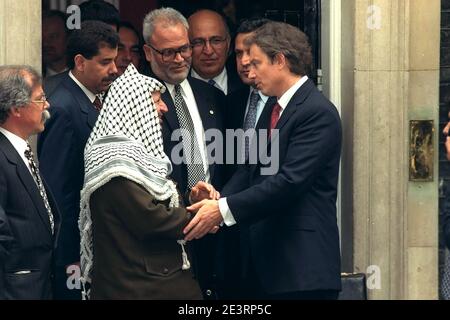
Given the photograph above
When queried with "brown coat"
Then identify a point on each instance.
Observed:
(136, 255)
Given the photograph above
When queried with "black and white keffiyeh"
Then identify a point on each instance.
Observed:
(126, 141)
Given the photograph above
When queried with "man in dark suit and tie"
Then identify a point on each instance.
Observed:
(97, 10)
(194, 107)
(244, 109)
(210, 38)
(75, 106)
(287, 214)
(29, 219)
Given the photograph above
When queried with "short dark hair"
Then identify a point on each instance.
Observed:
(279, 37)
(99, 10)
(88, 40)
(56, 14)
(15, 91)
(251, 24)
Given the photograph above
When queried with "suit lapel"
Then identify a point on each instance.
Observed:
(85, 104)
(297, 99)
(264, 118)
(170, 117)
(205, 108)
(27, 180)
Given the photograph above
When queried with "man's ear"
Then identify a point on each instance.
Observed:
(80, 62)
(280, 60)
(147, 52)
(15, 112)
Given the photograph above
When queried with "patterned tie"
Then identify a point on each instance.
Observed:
(445, 285)
(250, 117)
(37, 178)
(97, 103)
(194, 163)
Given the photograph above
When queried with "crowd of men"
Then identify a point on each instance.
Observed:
(242, 234)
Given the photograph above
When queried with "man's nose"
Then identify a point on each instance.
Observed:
(207, 48)
(178, 57)
(245, 60)
(128, 55)
(113, 68)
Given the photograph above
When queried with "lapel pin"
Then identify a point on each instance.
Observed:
(211, 111)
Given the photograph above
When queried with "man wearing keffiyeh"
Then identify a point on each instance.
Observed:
(131, 220)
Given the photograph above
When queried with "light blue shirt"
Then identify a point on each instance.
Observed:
(259, 106)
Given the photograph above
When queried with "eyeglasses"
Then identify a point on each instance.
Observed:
(215, 42)
(170, 53)
(42, 101)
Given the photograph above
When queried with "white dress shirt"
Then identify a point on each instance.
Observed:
(221, 79)
(225, 211)
(19, 144)
(188, 96)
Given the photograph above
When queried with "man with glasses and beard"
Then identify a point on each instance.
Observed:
(76, 104)
(194, 107)
(29, 219)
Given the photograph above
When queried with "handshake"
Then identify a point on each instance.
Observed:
(204, 204)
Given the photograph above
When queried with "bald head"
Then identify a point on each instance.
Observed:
(210, 37)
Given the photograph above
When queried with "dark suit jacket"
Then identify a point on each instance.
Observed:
(26, 241)
(288, 219)
(210, 103)
(234, 82)
(61, 153)
(136, 255)
(51, 83)
(228, 248)
(446, 218)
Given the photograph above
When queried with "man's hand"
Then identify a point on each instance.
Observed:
(202, 191)
(446, 128)
(447, 147)
(207, 219)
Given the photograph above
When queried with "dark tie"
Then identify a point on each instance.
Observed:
(37, 178)
(194, 162)
(445, 285)
(212, 82)
(97, 103)
(250, 117)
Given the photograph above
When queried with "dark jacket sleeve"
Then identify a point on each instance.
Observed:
(5, 233)
(139, 211)
(62, 168)
(446, 219)
(313, 139)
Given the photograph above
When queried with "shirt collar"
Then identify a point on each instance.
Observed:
(171, 87)
(91, 96)
(220, 80)
(263, 97)
(287, 96)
